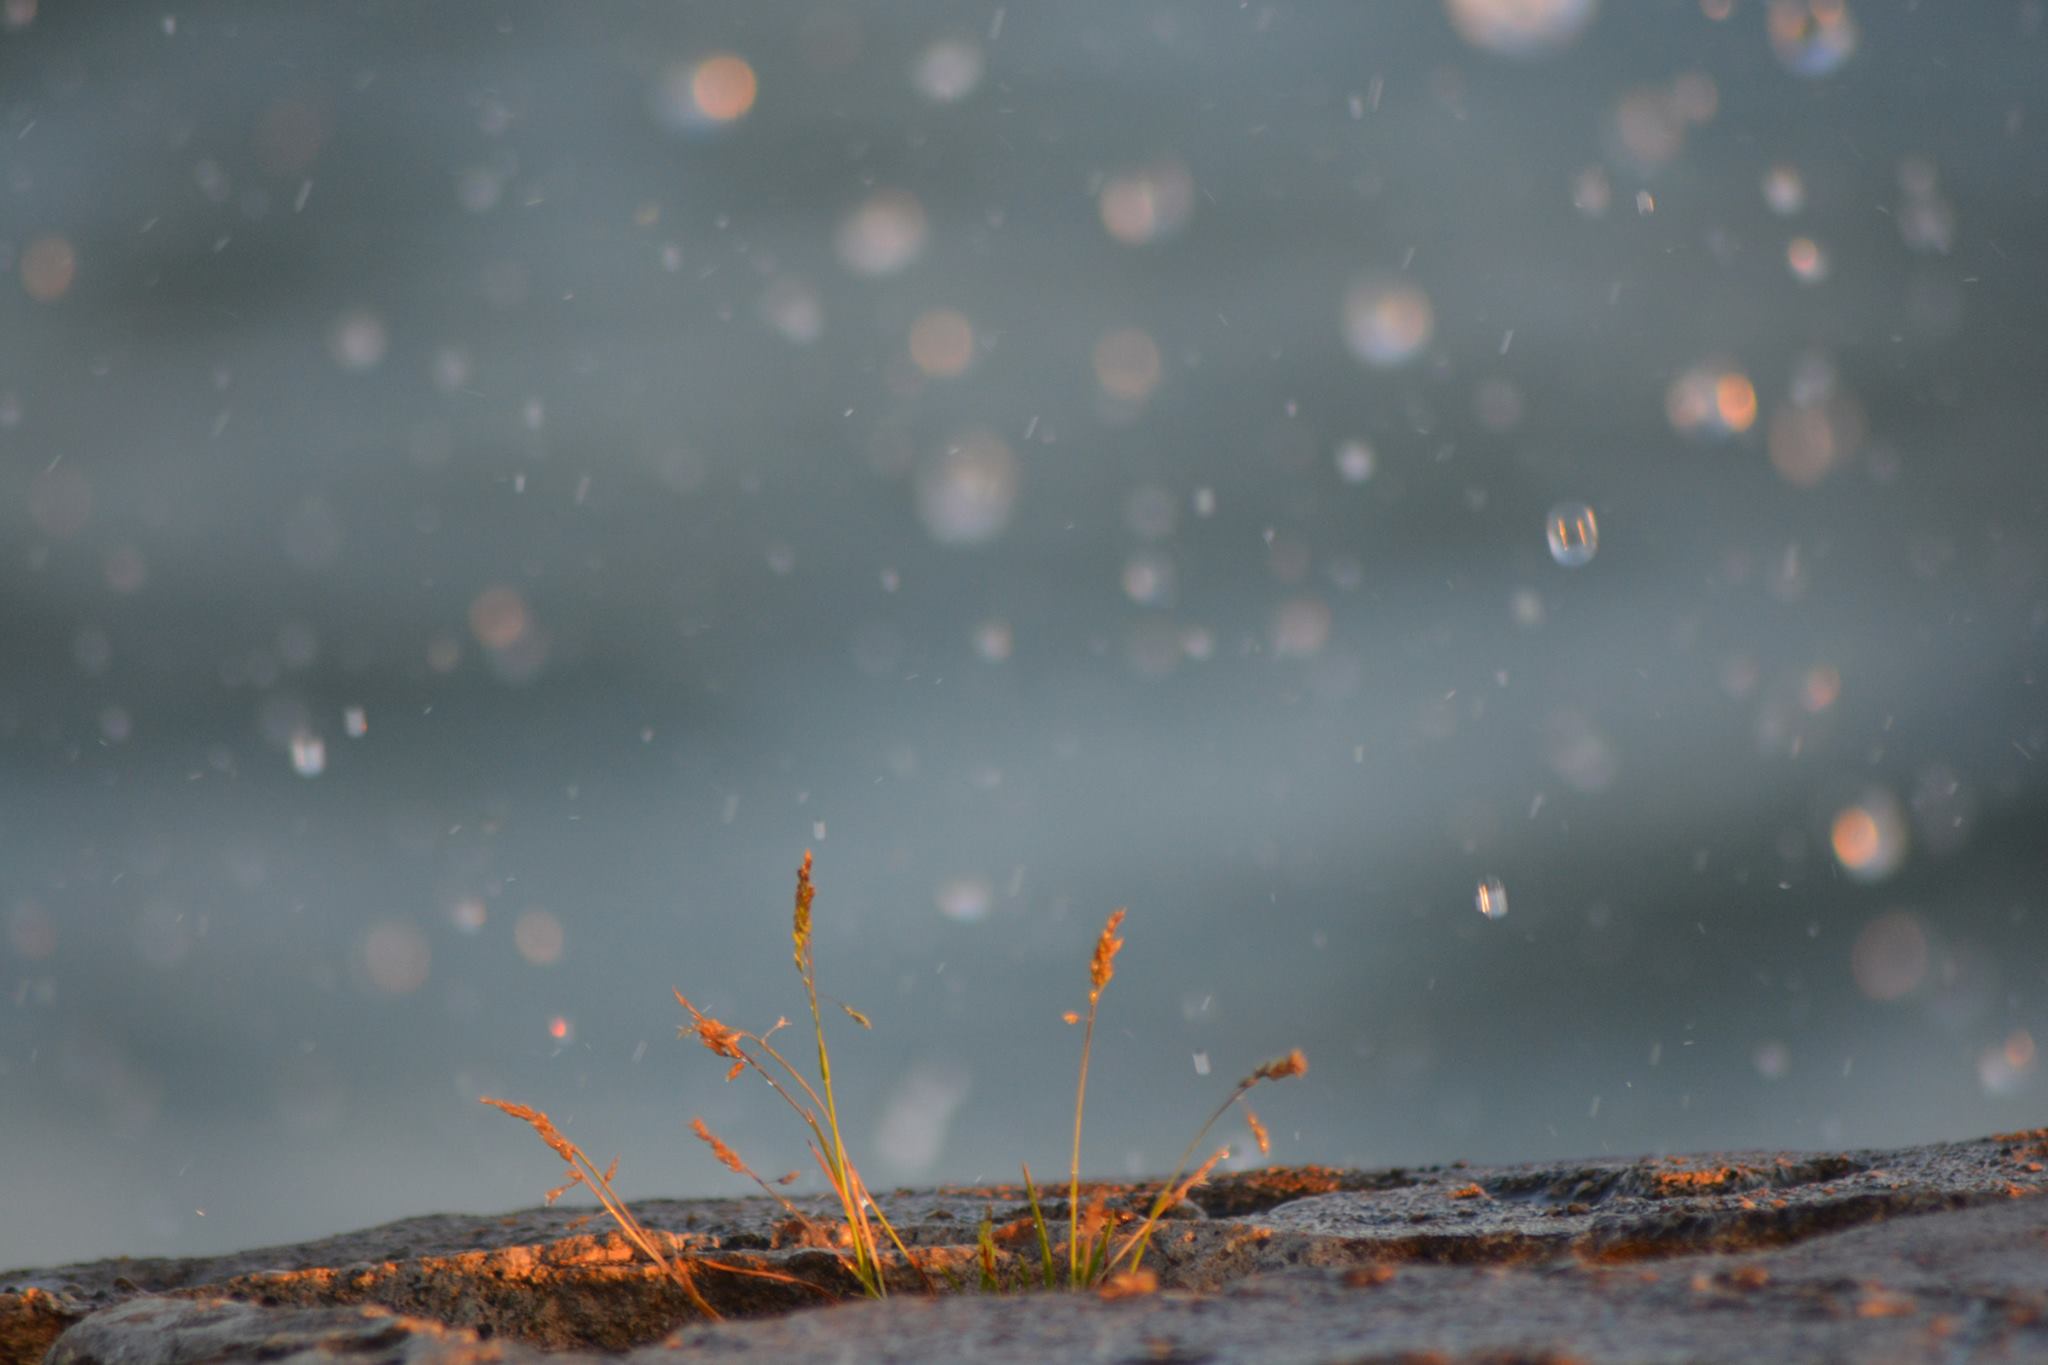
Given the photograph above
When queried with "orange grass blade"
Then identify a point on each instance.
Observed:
(677, 1270)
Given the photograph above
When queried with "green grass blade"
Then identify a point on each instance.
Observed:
(1038, 1221)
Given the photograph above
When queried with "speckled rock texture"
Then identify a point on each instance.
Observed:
(1925, 1253)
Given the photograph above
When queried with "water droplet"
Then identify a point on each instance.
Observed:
(309, 754)
(538, 936)
(1387, 324)
(1784, 190)
(883, 235)
(1147, 205)
(355, 722)
(965, 899)
(965, 494)
(1812, 37)
(1807, 259)
(1149, 579)
(1521, 28)
(1355, 461)
(1573, 534)
(397, 957)
(948, 70)
(1492, 898)
(1868, 836)
(358, 341)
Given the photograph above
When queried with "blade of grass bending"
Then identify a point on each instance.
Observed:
(867, 1201)
(1134, 1245)
(1038, 1221)
(587, 1174)
(1279, 1069)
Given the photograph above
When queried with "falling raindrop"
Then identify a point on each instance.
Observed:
(309, 754)
(1492, 898)
(1573, 533)
(1811, 37)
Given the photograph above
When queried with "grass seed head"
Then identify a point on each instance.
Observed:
(1103, 967)
(727, 1157)
(542, 1124)
(1259, 1134)
(1294, 1063)
(716, 1036)
(800, 932)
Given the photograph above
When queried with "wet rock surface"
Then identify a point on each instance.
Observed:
(1919, 1253)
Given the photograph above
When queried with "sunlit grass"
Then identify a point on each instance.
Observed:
(1095, 1256)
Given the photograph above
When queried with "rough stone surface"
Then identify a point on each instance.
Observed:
(1920, 1253)
(160, 1331)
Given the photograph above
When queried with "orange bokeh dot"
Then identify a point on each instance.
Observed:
(1856, 839)
(1822, 686)
(2019, 1050)
(498, 617)
(723, 87)
(1127, 364)
(942, 342)
(538, 936)
(1735, 401)
(48, 265)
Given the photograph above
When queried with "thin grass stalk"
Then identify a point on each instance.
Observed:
(1101, 968)
(585, 1173)
(1038, 1221)
(862, 1270)
(1279, 1069)
(868, 1201)
(800, 936)
(1135, 1244)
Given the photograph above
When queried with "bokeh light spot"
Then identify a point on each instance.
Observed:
(1521, 28)
(883, 235)
(1811, 37)
(722, 87)
(498, 617)
(966, 492)
(1868, 836)
(1573, 534)
(948, 70)
(942, 342)
(538, 936)
(1147, 205)
(1127, 364)
(396, 957)
(1889, 957)
(1387, 324)
(48, 267)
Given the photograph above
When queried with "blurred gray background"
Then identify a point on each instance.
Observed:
(483, 488)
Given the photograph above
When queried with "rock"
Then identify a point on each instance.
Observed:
(1681, 1258)
(161, 1331)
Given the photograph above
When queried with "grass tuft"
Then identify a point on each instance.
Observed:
(1095, 1257)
